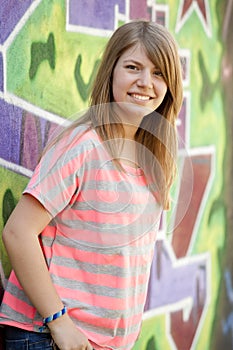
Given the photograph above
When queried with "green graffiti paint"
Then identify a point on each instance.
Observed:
(8, 205)
(42, 52)
(83, 89)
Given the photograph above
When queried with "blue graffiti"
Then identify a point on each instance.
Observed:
(229, 285)
(227, 324)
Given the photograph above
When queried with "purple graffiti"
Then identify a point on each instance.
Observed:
(10, 131)
(10, 13)
(84, 13)
(182, 126)
(177, 281)
(1, 72)
(22, 135)
(35, 134)
(139, 9)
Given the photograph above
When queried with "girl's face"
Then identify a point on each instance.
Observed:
(136, 80)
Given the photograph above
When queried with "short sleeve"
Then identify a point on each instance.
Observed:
(56, 177)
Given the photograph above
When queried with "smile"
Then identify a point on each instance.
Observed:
(140, 97)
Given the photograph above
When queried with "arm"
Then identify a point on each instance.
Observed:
(20, 237)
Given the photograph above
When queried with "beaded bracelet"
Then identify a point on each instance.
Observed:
(52, 318)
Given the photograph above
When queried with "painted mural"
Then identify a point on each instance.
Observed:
(49, 50)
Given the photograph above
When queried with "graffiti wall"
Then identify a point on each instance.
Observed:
(49, 51)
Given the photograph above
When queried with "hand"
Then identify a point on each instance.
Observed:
(67, 336)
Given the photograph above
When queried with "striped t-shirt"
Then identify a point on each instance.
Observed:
(99, 244)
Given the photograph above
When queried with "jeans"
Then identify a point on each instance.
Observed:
(19, 339)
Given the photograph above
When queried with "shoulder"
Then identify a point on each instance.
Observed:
(81, 134)
(76, 137)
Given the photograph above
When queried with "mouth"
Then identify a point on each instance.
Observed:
(140, 97)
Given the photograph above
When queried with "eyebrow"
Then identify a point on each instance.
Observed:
(135, 62)
(132, 61)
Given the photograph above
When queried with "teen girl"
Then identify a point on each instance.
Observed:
(81, 239)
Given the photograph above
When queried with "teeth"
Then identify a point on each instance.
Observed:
(140, 97)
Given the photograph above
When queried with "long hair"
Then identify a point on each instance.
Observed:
(157, 132)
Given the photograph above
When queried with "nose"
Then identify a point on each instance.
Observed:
(145, 79)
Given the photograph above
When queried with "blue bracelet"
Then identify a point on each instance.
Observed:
(52, 318)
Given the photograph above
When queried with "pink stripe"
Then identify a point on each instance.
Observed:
(68, 146)
(103, 259)
(49, 231)
(143, 241)
(18, 305)
(13, 279)
(110, 217)
(106, 174)
(28, 327)
(109, 341)
(94, 238)
(115, 196)
(99, 279)
(94, 320)
(104, 238)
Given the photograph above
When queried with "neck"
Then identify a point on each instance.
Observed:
(130, 131)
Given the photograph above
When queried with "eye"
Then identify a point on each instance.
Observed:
(158, 73)
(132, 67)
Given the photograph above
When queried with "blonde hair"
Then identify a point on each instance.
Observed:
(157, 131)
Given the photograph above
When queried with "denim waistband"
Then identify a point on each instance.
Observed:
(12, 332)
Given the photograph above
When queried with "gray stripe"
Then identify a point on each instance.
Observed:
(18, 293)
(135, 228)
(122, 251)
(99, 290)
(48, 241)
(110, 270)
(122, 186)
(102, 312)
(106, 314)
(14, 315)
(71, 153)
(51, 168)
(119, 207)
